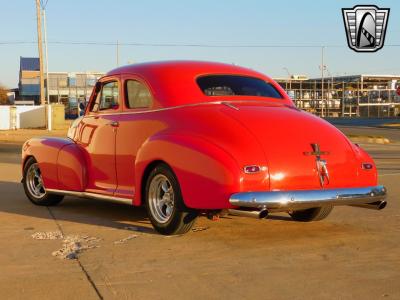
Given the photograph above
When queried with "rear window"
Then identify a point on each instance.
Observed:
(235, 85)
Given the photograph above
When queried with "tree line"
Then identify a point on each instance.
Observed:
(3, 96)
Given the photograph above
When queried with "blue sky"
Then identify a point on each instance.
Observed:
(210, 22)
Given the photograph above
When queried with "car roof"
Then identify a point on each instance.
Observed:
(174, 82)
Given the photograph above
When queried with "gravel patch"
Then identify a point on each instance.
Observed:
(199, 228)
(75, 244)
(124, 240)
(48, 235)
(72, 245)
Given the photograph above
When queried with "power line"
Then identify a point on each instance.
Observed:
(136, 44)
(186, 45)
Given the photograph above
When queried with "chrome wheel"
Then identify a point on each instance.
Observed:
(34, 182)
(161, 198)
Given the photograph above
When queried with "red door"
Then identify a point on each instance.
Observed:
(97, 133)
(134, 129)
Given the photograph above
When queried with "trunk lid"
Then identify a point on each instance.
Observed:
(287, 135)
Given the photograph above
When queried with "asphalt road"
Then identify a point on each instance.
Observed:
(353, 254)
(364, 122)
(393, 134)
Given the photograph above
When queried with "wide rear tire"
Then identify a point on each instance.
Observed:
(34, 187)
(165, 207)
(311, 214)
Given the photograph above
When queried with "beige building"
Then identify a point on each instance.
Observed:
(71, 88)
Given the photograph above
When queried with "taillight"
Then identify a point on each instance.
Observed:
(253, 169)
(367, 166)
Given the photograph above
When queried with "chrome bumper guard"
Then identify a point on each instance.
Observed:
(277, 201)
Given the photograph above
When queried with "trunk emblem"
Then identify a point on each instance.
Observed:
(321, 164)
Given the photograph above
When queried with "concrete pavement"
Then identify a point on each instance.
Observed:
(354, 254)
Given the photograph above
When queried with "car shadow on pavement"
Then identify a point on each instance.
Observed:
(71, 209)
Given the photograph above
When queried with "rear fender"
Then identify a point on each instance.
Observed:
(207, 174)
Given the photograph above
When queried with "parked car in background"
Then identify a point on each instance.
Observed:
(186, 138)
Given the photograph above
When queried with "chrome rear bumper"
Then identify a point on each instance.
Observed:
(276, 201)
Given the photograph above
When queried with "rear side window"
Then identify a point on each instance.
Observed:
(137, 95)
(236, 85)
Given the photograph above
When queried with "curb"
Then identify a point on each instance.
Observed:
(20, 136)
(369, 139)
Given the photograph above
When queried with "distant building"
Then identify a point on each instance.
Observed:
(71, 88)
(362, 95)
(78, 85)
(29, 78)
(68, 88)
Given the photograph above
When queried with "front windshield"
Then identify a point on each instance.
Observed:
(236, 85)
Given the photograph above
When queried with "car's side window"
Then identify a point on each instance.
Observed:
(137, 95)
(109, 97)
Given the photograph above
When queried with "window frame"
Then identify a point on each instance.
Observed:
(126, 98)
(282, 97)
(102, 82)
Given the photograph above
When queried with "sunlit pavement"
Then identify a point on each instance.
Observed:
(353, 254)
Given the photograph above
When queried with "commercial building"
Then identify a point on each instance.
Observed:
(71, 88)
(29, 78)
(363, 95)
(67, 88)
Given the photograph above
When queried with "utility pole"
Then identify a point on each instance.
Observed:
(47, 55)
(39, 33)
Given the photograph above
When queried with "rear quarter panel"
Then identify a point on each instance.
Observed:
(207, 175)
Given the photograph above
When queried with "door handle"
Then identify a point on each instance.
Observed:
(113, 124)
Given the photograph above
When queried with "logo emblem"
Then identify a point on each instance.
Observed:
(365, 27)
(321, 164)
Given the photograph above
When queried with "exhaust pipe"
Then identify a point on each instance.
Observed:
(377, 205)
(258, 214)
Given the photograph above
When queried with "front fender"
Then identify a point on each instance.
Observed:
(60, 160)
(45, 150)
(207, 174)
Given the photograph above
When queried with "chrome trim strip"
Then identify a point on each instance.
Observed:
(229, 104)
(293, 200)
(225, 102)
(90, 196)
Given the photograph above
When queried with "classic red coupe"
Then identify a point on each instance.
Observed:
(187, 138)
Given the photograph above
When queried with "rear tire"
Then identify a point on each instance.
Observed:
(34, 187)
(164, 203)
(311, 214)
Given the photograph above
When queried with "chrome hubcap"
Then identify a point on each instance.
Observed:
(161, 198)
(34, 181)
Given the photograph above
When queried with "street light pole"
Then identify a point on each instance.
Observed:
(289, 76)
(117, 53)
(322, 80)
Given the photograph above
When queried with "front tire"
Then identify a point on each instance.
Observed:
(311, 214)
(34, 187)
(164, 203)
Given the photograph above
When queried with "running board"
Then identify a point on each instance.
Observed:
(91, 196)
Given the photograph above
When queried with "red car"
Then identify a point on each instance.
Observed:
(190, 138)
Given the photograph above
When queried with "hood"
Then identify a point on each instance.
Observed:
(286, 136)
